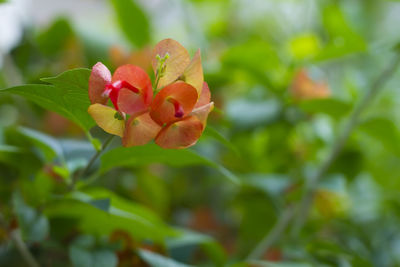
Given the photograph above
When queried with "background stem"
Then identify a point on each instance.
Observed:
(305, 203)
(299, 214)
(23, 249)
(91, 161)
(273, 235)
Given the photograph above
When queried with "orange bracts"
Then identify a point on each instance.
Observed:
(175, 117)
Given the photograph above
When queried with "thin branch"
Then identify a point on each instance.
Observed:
(376, 87)
(300, 214)
(23, 249)
(273, 236)
(91, 161)
(20, 245)
(98, 153)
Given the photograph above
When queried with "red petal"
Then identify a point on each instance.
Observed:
(193, 74)
(140, 130)
(137, 77)
(205, 96)
(131, 103)
(176, 64)
(163, 111)
(107, 119)
(99, 78)
(180, 134)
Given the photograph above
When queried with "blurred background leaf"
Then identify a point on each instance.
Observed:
(132, 21)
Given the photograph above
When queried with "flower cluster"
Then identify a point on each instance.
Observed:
(173, 112)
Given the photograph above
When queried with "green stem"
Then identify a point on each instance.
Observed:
(273, 236)
(300, 213)
(157, 80)
(20, 245)
(376, 87)
(23, 249)
(91, 161)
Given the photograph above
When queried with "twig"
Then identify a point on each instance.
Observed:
(300, 214)
(22, 248)
(91, 161)
(98, 153)
(16, 237)
(273, 236)
(305, 204)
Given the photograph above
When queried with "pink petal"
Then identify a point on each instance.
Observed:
(99, 78)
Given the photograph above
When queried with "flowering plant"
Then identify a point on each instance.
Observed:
(173, 111)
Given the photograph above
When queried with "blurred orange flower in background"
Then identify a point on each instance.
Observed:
(140, 58)
(303, 87)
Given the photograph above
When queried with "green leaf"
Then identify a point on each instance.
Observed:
(272, 184)
(384, 131)
(9, 149)
(154, 192)
(258, 214)
(46, 96)
(132, 21)
(74, 87)
(246, 113)
(190, 238)
(34, 226)
(258, 59)
(157, 260)
(49, 145)
(279, 264)
(83, 253)
(96, 216)
(99, 258)
(37, 191)
(68, 95)
(80, 257)
(140, 155)
(55, 38)
(21, 159)
(212, 132)
(253, 55)
(344, 40)
(103, 204)
(331, 106)
(304, 46)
